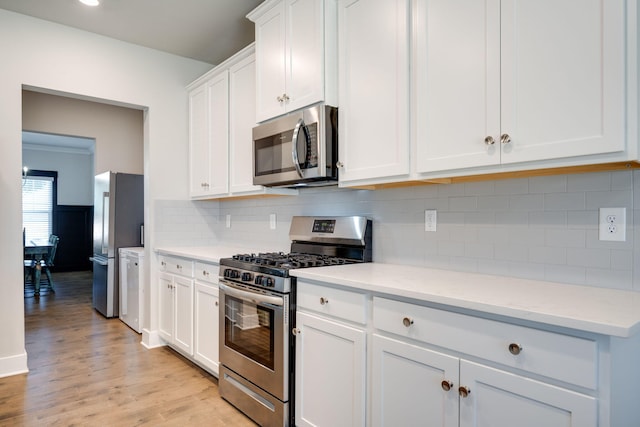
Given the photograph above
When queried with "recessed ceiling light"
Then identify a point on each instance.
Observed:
(90, 2)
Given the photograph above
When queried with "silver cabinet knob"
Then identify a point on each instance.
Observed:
(515, 348)
(324, 301)
(339, 164)
(295, 331)
(505, 138)
(407, 322)
(446, 385)
(279, 99)
(285, 97)
(489, 140)
(464, 391)
(217, 303)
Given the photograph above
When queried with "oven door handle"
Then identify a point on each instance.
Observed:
(252, 297)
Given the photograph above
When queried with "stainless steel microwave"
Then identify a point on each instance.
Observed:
(300, 148)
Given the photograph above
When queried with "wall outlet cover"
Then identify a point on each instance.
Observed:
(613, 224)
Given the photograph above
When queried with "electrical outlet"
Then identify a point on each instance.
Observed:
(430, 220)
(613, 224)
(272, 221)
(228, 221)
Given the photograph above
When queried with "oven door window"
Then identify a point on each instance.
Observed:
(249, 330)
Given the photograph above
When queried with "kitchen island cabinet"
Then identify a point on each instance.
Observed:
(468, 349)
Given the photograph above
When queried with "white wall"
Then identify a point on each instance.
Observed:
(40, 54)
(118, 131)
(75, 173)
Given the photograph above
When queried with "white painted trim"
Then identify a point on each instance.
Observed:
(14, 365)
(151, 339)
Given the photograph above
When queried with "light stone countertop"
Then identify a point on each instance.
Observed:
(585, 308)
(202, 253)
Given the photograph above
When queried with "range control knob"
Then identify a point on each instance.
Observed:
(247, 277)
(267, 281)
(258, 280)
(230, 273)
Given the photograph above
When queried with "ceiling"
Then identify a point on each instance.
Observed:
(206, 30)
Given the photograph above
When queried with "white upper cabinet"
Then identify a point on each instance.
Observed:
(208, 133)
(296, 47)
(242, 119)
(221, 120)
(374, 89)
(501, 82)
(208, 124)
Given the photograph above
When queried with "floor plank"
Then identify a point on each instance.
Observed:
(85, 370)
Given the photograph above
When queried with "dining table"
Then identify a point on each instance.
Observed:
(37, 250)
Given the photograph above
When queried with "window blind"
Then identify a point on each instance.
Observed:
(37, 207)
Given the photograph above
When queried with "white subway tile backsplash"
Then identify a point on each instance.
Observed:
(526, 202)
(597, 258)
(589, 182)
(564, 201)
(548, 184)
(609, 199)
(543, 228)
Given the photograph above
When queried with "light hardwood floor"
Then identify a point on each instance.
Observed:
(85, 370)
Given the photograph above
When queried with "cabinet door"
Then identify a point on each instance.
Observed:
(500, 399)
(242, 119)
(457, 68)
(563, 78)
(373, 89)
(198, 141)
(407, 385)
(206, 330)
(330, 373)
(304, 56)
(183, 332)
(270, 61)
(218, 158)
(167, 308)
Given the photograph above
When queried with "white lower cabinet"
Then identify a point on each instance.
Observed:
(189, 309)
(176, 311)
(411, 384)
(498, 398)
(206, 308)
(406, 385)
(364, 359)
(330, 363)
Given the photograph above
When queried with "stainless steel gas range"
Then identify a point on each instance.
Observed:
(257, 316)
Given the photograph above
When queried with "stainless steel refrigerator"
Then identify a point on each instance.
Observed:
(118, 213)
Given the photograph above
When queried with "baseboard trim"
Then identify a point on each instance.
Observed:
(13, 365)
(151, 339)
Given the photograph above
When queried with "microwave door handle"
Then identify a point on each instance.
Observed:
(294, 146)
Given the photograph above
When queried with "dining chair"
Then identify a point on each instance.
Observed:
(34, 268)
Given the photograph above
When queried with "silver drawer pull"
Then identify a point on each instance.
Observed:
(324, 301)
(407, 322)
(515, 348)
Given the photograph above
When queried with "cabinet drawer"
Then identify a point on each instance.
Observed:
(562, 357)
(334, 302)
(176, 265)
(207, 272)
